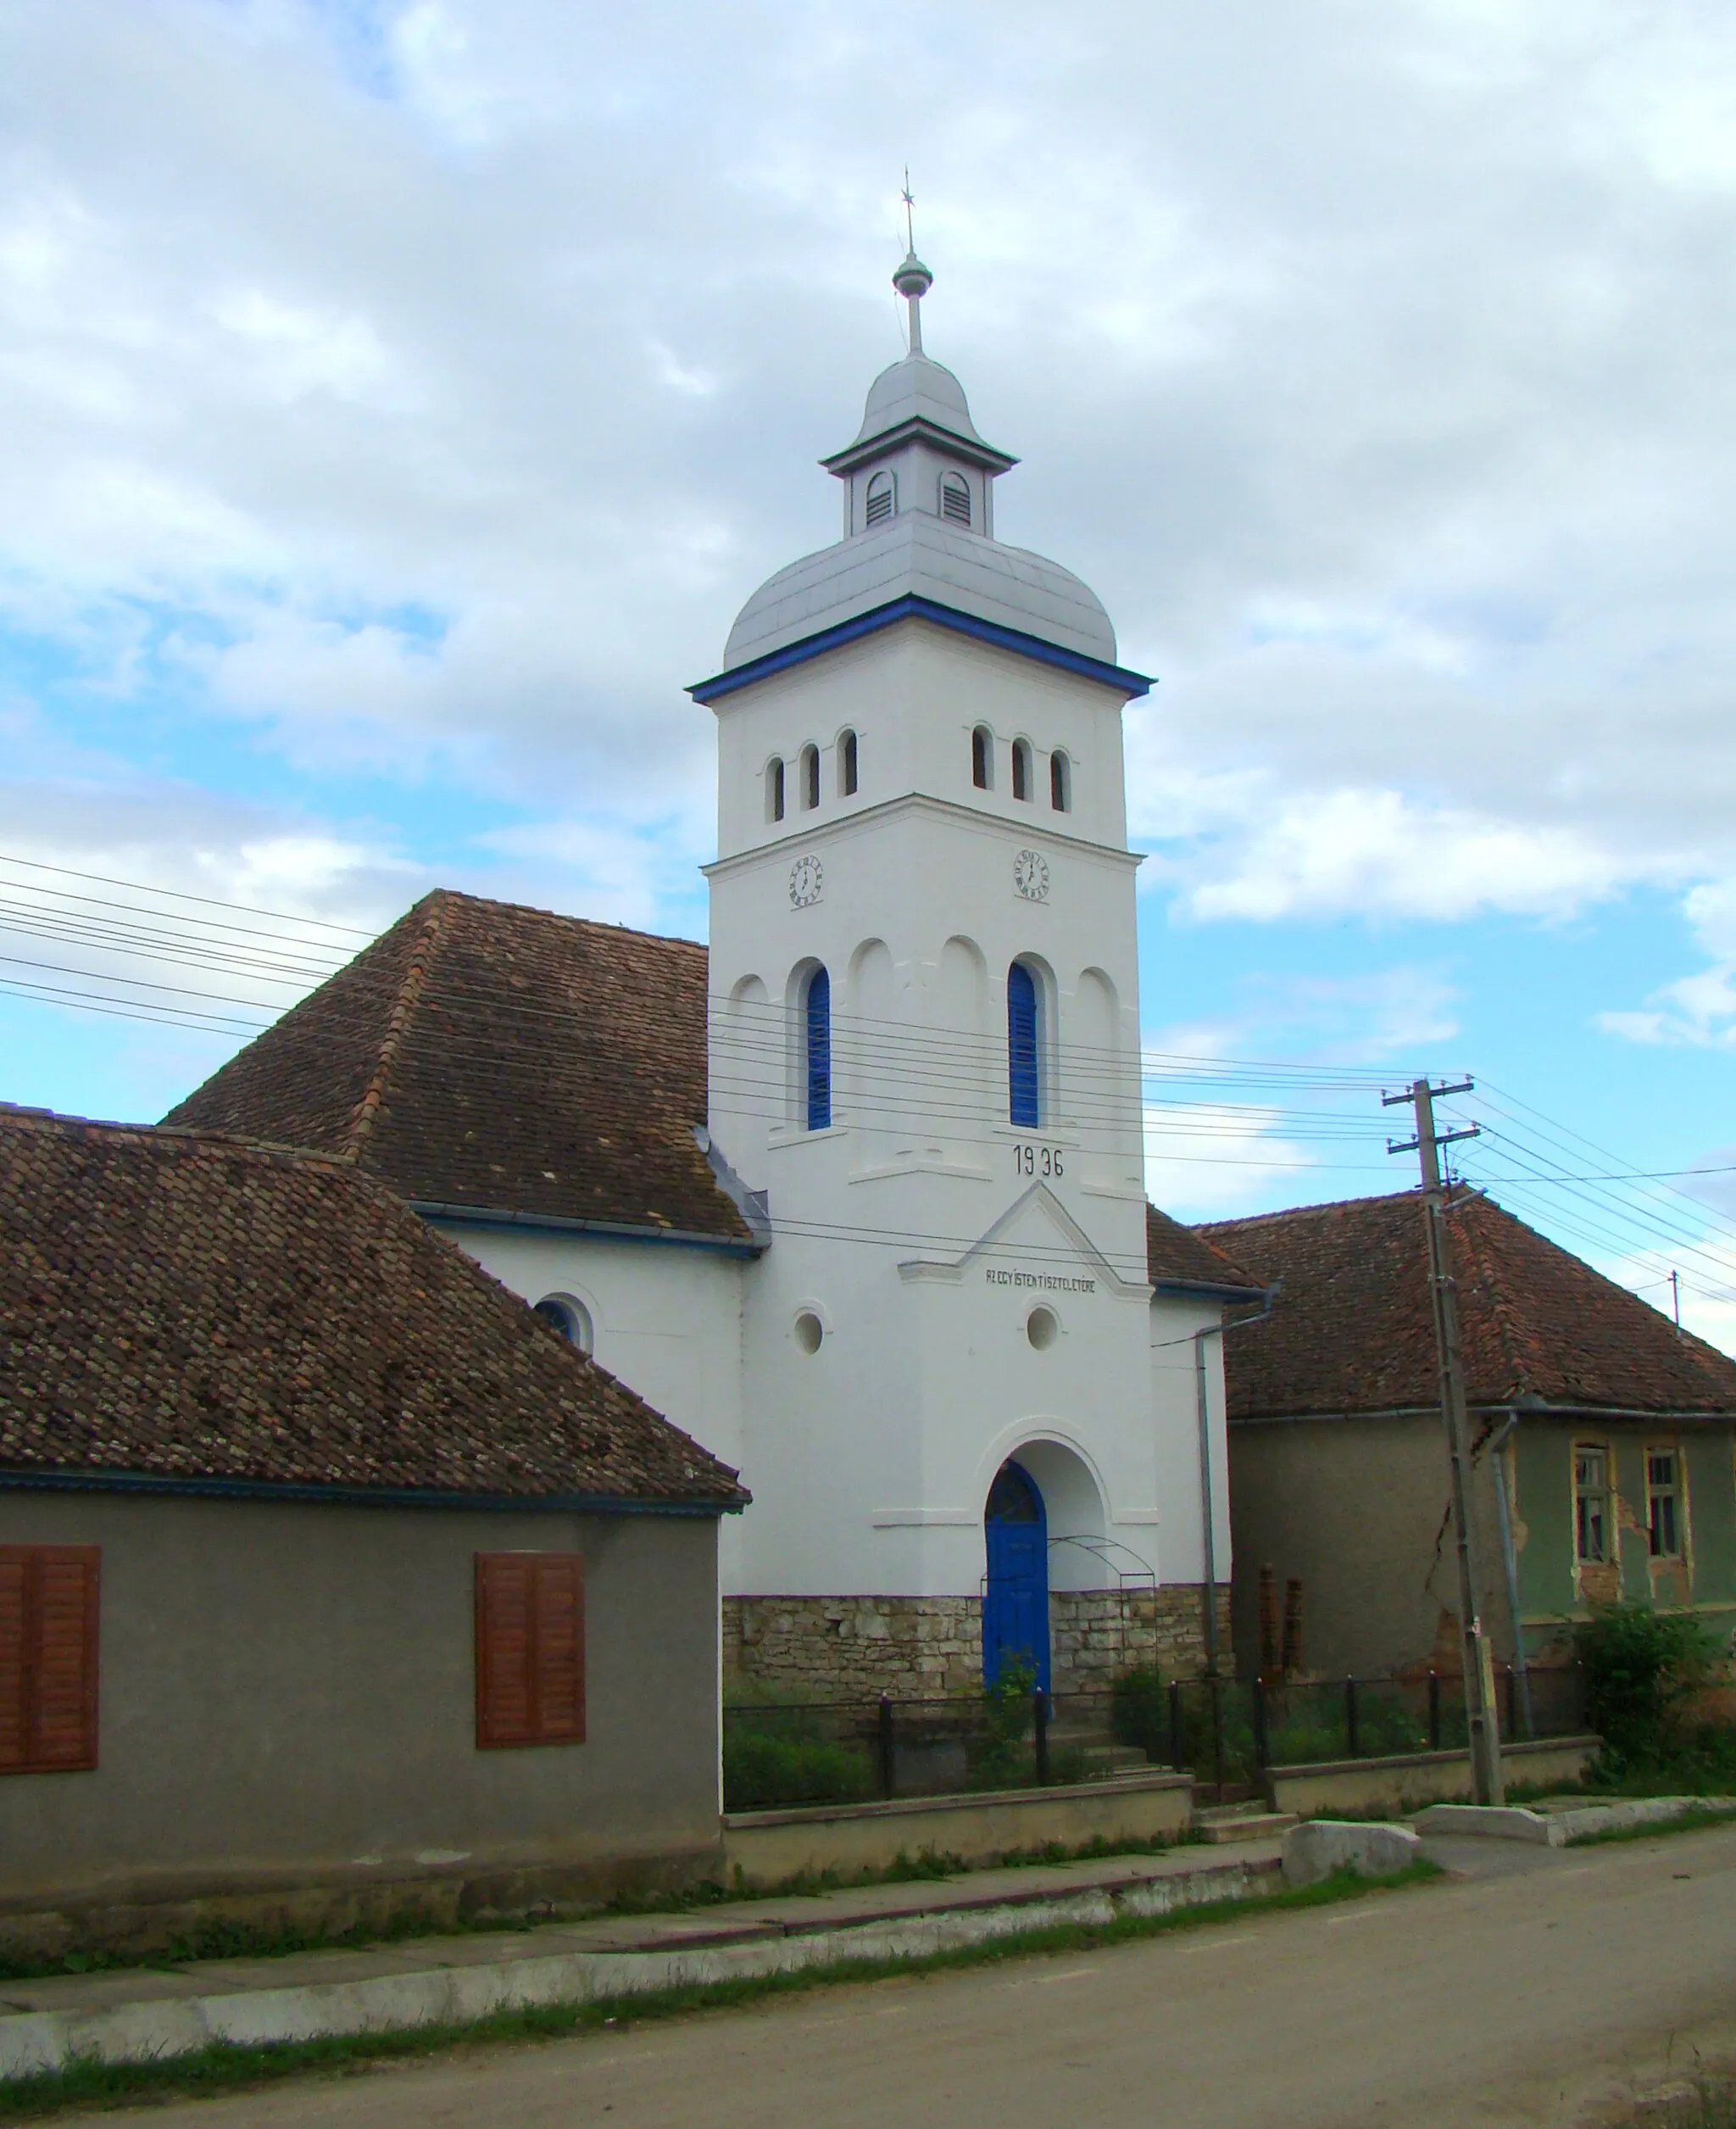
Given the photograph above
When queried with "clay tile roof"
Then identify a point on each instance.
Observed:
(1353, 1330)
(483, 1055)
(1177, 1255)
(184, 1306)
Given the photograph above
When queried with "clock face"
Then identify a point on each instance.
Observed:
(807, 877)
(1030, 875)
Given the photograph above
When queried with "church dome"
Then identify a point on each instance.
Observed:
(916, 554)
(916, 389)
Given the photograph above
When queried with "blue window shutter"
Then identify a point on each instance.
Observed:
(819, 1050)
(1021, 1046)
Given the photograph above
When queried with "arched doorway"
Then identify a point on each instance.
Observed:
(1016, 1597)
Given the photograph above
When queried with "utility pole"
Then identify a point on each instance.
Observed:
(1487, 1785)
(1676, 1299)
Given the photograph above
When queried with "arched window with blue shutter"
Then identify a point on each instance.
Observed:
(1024, 1059)
(817, 1050)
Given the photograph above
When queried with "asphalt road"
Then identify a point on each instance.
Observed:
(1537, 1995)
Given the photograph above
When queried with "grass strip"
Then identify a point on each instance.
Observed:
(222, 2067)
(1693, 1821)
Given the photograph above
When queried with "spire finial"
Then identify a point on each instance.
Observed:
(912, 280)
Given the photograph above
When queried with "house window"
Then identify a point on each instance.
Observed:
(1021, 768)
(816, 1050)
(1023, 1049)
(846, 766)
(810, 777)
(571, 1317)
(954, 499)
(1663, 1503)
(530, 1649)
(48, 1608)
(882, 498)
(1061, 782)
(982, 758)
(774, 791)
(1591, 1505)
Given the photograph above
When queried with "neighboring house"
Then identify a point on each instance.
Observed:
(1612, 1435)
(859, 1196)
(330, 1579)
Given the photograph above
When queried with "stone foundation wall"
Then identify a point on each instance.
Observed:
(1095, 1635)
(924, 1647)
(854, 1648)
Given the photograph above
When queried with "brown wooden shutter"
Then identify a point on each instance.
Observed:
(560, 1648)
(48, 1655)
(530, 1648)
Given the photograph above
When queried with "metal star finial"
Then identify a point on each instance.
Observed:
(909, 200)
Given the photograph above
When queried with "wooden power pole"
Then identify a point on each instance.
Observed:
(1479, 1669)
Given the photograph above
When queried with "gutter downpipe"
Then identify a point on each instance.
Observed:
(1498, 1471)
(1208, 1519)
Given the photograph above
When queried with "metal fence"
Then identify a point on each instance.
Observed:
(1224, 1732)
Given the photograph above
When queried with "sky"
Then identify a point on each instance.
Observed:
(398, 401)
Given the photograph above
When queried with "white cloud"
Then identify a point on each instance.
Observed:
(452, 372)
(1375, 854)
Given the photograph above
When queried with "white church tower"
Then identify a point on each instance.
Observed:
(969, 1432)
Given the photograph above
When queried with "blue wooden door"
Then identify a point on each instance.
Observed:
(1015, 1600)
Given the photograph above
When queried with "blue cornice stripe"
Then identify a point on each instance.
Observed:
(352, 1496)
(913, 605)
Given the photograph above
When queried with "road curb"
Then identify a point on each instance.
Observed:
(32, 2042)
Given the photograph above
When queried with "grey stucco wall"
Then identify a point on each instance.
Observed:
(288, 1696)
(1356, 1508)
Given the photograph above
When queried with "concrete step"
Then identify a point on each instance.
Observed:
(1243, 1822)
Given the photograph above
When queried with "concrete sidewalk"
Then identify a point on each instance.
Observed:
(134, 2014)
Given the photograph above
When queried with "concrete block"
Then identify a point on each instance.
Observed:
(1314, 1851)
(1491, 1822)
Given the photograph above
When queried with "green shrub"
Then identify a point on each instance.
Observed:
(1139, 1712)
(1642, 1667)
(792, 1762)
(998, 1757)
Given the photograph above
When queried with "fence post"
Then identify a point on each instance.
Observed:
(1039, 1733)
(1434, 1711)
(1261, 1758)
(1511, 1709)
(1176, 1739)
(888, 1763)
(1353, 1742)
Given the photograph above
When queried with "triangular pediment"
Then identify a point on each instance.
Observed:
(1036, 1245)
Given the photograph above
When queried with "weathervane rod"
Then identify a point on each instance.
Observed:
(912, 280)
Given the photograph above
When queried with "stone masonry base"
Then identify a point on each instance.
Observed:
(817, 1648)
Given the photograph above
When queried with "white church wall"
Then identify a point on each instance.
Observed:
(913, 694)
(1175, 1395)
(666, 1319)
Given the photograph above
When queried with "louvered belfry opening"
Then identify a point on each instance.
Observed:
(982, 757)
(817, 1051)
(48, 1658)
(774, 791)
(1061, 782)
(1021, 769)
(1024, 1080)
(955, 500)
(881, 497)
(810, 777)
(846, 766)
(530, 1649)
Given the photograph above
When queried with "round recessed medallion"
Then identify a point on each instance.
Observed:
(807, 877)
(1030, 875)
